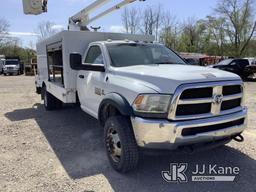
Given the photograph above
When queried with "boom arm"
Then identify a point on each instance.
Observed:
(80, 20)
(112, 9)
(84, 13)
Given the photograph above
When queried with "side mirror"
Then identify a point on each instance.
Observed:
(75, 60)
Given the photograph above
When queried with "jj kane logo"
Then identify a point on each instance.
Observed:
(178, 173)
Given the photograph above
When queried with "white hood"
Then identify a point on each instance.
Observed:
(166, 78)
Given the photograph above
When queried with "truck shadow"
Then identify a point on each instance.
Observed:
(76, 138)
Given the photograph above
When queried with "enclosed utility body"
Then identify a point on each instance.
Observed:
(53, 56)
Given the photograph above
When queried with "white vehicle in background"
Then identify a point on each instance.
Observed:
(12, 66)
(2, 60)
(252, 67)
(252, 60)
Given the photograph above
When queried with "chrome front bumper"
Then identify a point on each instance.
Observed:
(11, 70)
(164, 134)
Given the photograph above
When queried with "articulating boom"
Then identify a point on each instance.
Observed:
(80, 20)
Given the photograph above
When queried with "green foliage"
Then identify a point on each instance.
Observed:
(25, 54)
(230, 32)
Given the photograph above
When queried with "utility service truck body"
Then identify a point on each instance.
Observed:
(143, 94)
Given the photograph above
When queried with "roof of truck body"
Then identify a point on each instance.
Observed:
(101, 36)
(121, 42)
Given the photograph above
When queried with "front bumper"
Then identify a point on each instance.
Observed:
(164, 134)
(11, 71)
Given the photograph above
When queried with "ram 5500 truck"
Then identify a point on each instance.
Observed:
(142, 93)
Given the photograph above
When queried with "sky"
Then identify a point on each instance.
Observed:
(24, 26)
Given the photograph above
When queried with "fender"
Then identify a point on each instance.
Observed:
(119, 102)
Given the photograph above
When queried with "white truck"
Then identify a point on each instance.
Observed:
(142, 93)
(12, 66)
(2, 60)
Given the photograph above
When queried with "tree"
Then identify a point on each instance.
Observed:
(151, 21)
(131, 20)
(169, 30)
(46, 29)
(191, 35)
(158, 19)
(13, 48)
(214, 31)
(240, 25)
(4, 28)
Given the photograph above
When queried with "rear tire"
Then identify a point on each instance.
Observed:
(120, 143)
(50, 102)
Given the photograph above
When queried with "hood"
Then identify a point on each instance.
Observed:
(166, 78)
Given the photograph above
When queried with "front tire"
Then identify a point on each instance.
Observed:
(50, 102)
(120, 143)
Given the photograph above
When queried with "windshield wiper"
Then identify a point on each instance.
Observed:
(168, 62)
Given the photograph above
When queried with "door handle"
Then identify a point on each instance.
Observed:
(81, 76)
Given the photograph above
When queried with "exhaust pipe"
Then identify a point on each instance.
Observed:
(238, 138)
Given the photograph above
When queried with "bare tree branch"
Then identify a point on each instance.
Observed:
(45, 29)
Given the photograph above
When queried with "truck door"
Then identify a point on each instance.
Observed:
(91, 84)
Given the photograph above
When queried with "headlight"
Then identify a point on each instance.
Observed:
(152, 103)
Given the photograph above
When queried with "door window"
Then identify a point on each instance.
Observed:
(94, 56)
(233, 63)
(243, 63)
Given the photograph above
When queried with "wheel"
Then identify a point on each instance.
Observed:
(4, 74)
(120, 143)
(50, 102)
(38, 90)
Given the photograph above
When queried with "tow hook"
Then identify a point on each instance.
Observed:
(239, 138)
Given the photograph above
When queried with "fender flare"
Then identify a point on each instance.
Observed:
(117, 101)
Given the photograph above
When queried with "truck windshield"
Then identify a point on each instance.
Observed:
(11, 62)
(130, 54)
(225, 62)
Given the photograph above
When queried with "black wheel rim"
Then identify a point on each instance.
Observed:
(114, 145)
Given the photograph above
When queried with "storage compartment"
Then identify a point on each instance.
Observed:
(55, 63)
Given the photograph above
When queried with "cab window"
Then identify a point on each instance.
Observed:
(94, 56)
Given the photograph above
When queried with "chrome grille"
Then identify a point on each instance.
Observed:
(194, 101)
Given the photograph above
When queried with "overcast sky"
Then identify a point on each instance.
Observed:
(59, 11)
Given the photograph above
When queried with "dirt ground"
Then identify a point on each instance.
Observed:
(63, 150)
